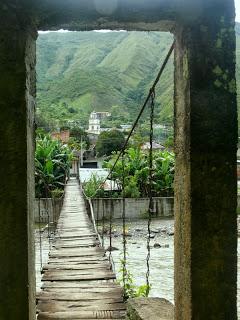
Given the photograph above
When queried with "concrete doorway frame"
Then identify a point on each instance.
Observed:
(205, 143)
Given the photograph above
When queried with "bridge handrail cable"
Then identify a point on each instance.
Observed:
(149, 96)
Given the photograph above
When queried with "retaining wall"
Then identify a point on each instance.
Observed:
(135, 207)
(47, 210)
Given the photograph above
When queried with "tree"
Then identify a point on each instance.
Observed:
(79, 135)
(135, 170)
(52, 164)
(109, 141)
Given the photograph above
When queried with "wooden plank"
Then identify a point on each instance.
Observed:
(75, 260)
(78, 250)
(76, 235)
(55, 306)
(83, 259)
(70, 290)
(80, 266)
(81, 296)
(71, 239)
(76, 275)
(79, 255)
(83, 314)
(76, 246)
(77, 281)
(83, 285)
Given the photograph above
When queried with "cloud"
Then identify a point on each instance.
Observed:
(59, 31)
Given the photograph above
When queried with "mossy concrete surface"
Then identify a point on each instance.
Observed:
(205, 176)
(17, 92)
(149, 308)
(205, 143)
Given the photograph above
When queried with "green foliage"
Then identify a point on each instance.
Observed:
(74, 144)
(94, 187)
(78, 72)
(52, 164)
(131, 290)
(57, 193)
(135, 170)
(79, 135)
(109, 141)
(169, 142)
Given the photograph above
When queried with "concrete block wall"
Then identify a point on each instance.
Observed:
(47, 210)
(135, 207)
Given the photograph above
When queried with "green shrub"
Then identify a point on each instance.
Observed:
(131, 290)
(93, 187)
(134, 173)
(52, 165)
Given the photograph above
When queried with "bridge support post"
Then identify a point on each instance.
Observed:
(17, 91)
(205, 180)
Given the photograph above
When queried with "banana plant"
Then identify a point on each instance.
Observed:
(135, 171)
(52, 164)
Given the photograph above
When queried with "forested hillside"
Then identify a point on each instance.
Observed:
(83, 71)
(78, 72)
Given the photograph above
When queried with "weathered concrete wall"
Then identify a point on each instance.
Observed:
(47, 210)
(103, 14)
(17, 92)
(149, 309)
(205, 178)
(205, 144)
(135, 207)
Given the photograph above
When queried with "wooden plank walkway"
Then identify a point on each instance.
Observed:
(77, 281)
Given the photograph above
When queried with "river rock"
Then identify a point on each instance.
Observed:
(127, 235)
(165, 246)
(116, 235)
(151, 236)
(155, 230)
(112, 249)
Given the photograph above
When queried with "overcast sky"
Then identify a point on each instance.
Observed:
(237, 4)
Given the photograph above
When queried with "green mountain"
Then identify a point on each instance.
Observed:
(78, 72)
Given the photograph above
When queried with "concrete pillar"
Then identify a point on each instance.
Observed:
(17, 92)
(205, 180)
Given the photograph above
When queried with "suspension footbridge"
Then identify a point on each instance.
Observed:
(78, 281)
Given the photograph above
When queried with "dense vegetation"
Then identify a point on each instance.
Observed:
(134, 171)
(52, 164)
(109, 141)
(78, 139)
(78, 72)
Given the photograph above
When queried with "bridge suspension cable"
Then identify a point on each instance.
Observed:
(150, 100)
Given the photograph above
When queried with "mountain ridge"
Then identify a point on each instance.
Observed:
(78, 72)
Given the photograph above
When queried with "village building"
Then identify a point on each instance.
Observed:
(62, 135)
(95, 121)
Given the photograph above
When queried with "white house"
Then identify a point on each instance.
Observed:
(95, 121)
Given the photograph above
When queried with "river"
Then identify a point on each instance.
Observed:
(161, 259)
